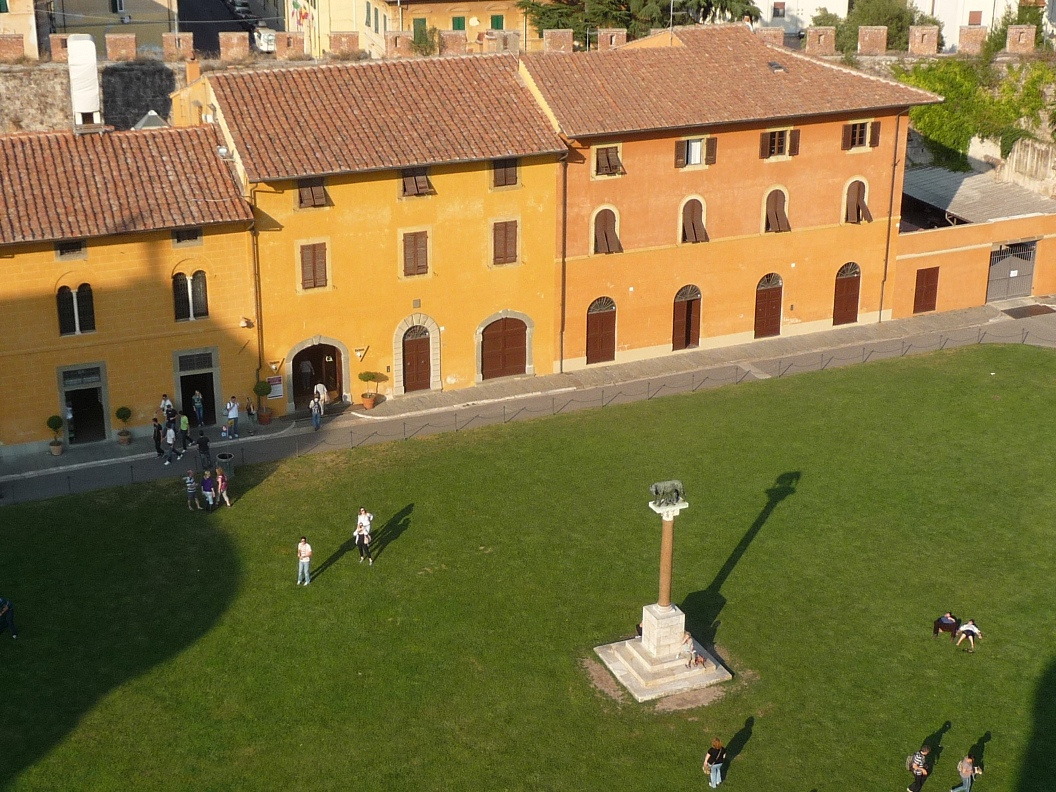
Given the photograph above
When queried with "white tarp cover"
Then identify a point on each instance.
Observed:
(84, 76)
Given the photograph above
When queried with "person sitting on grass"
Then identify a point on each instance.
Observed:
(970, 631)
(947, 623)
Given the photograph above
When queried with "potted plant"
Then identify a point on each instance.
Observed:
(55, 424)
(262, 390)
(369, 398)
(124, 436)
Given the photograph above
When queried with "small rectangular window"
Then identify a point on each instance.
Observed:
(458, 23)
(504, 172)
(186, 236)
(607, 162)
(310, 192)
(376, 19)
(779, 11)
(497, 21)
(65, 250)
(695, 151)
(367, 25)
(855, 135)
(117, 6)
(416, 253)
(416, 182)
(772, 144)
(975, 17)
(857, 210)
(313, 266)
(505, 239)
(3, 7)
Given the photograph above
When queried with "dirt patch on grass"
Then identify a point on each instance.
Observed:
(602, 680)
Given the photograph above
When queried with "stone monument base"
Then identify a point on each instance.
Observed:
(653, 666)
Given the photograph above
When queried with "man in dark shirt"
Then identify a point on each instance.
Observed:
(157, 438)
(7, 617)
(203, 450)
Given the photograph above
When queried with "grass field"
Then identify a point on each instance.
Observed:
(165, 650)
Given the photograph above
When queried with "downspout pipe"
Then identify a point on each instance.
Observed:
(564, 259)
(258, 298)
(895, 162)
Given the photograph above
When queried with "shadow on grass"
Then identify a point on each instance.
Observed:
(107, 587)
(934, 742)
(383, 537)
(1039, 764)
(977, 750)
(702, 608)
(737, 743)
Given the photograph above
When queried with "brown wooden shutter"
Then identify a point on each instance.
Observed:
(421, 182)
(793, 143)
(693, 222)
(678, 325)
(421, 253)
(711, 150)
(848, 137)
(511, 242)
(680, 153)
(610, 234)
(408, 255)
(305, 197)
(782, 216)
(874, 134)
(764, 145)
(861, 207)
(601, 242)
(320, 265)
(318, 195)
(498, 237)
(307, 267)
(409, 184)
(850, 212)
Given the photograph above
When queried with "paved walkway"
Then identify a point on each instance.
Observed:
(105, 464)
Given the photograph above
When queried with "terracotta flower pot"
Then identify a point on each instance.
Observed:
(124, 437)
(264, 418)
(368, 400)
(56, 448)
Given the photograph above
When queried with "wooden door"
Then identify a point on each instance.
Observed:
(927, 290)
(504, 349)
(768, 307)
(601, 331)
(845, 300)
(685, 326)
(417, 372)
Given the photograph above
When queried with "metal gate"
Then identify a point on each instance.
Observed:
(1011, 271)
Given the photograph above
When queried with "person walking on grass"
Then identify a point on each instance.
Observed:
(918, 766)
(967, 770)
(192, 491)
(208, 490)
(970, 631)
(221, 487)
(7, 617)
(362, 534)
(304, 557)
(714, 759)
(316, 408)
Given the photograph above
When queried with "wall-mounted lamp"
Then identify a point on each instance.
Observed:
(244, 322)
(360, 352)
(274, 364)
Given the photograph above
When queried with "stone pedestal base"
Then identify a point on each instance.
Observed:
(652, 666)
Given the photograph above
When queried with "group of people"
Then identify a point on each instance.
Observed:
(364, 521)
(174, 433)
(917, 764)
(958, 631)
(214, 489)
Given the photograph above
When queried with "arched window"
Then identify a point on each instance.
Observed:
(190, 296)
(605, 238)
(685, 328)
(601, 330)
(845, 298)
(776, 217)
(76, 310)
(855, 208)
(693, 222)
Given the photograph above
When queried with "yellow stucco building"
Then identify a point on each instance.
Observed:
(392, 233)
(140, 286)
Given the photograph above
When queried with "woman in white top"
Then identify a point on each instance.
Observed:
(362, 535)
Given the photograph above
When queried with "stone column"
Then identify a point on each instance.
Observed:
(667, 513)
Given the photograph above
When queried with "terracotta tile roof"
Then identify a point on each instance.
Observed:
(57, 185)
(381, 115)
(721, 75)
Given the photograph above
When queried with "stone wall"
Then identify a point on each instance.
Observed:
(611, 37)
(11, 47)
(872, 39)
(557, 40)
(1020, 39)
(972, 39)
(1031, 164)
(774, 36)
(821, 41)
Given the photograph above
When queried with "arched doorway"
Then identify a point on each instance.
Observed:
(417, 372)
(685, 328)
(845, 300)
(601, 331)
(768, 306)
(315, 364)
(504, 348)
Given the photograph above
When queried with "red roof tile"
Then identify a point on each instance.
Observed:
(381, 115)
(57, 185)
(722, 75)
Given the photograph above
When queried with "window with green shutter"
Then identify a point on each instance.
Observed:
(496, 22)
(419, 26)
(457, 23)
(3, 6)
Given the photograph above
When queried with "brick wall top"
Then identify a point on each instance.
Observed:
(611, 37)
(398, 44)
(772, 35)
(12, 47)
(821, 41)
(557, 40)
(120, 46)
(923, 40)
(59, 53)
(971, 39)
(344, 43)
(1020, 38)
(234, 45)
(177, 46)
(872, 39)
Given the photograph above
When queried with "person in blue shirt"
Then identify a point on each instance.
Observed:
(7, 617)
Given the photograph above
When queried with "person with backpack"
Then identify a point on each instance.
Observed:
(316, 408)
(917, 764)
(714, 759)
(967, 770)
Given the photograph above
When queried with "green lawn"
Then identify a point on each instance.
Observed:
(165, 650)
